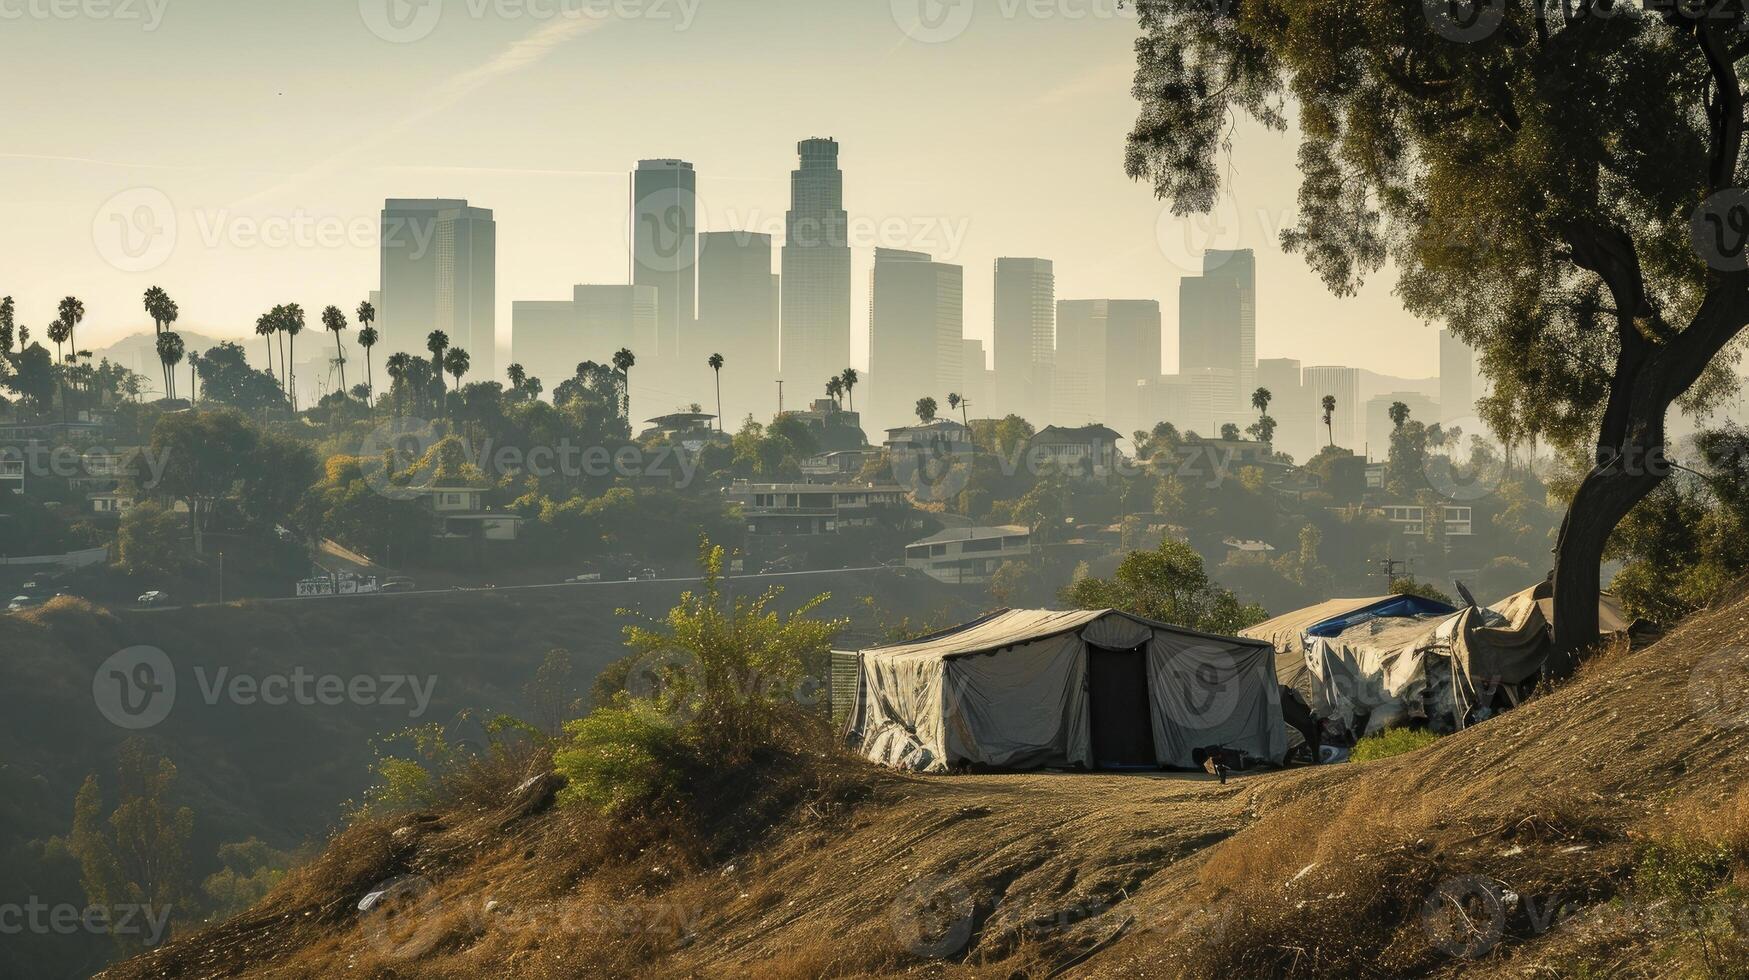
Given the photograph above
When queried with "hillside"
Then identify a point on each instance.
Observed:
(281, 772)
(1589, 828)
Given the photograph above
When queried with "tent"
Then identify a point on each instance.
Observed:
(1373, 664)
(1029, 688)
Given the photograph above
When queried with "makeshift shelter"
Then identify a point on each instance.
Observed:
(1290, 633)
(1030, 688)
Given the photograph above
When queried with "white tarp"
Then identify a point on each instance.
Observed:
(1012, 691)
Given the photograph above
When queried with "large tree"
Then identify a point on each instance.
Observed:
(1533, 172)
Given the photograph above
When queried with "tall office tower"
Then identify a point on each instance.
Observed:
(1457, 378)
(1239, 266)
(1344, 384)
(1025, 337)
(611, 317)
(816, 268)
(1209, 313)
(1079, 380)
(977, 384)
(664, 248)
(737, 317)
(438, 263)
(1132, 358)
(544, 339)
(1378, 419)
(916, 330)
(1293, 409)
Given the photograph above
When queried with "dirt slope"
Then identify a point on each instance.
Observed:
(1336, 871)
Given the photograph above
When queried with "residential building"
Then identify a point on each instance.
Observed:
(916, 332)
(806, 509)
(459, 511)
(815, 314)
(664, 248)
(941, 435)
(1456, 521)
(1088, 451)
(11, 475)
(1025, 337)
(438, 267)
(968, 555)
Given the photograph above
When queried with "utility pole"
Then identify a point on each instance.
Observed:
(780, 396)
(1388, 568)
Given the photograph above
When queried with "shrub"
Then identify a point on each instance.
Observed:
(621, 757)
(1395, 741)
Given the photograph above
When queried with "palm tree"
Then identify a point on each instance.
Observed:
(1330, 417)
(367, 338)
(169, 314)
(265, 328)
(58, 332)
(456, 362)
(156, 301)
(518, 377)
(834, 390)
(623, 361)
(170, 350)
(6, 325)
(1260, 400)
(926, 409)
(1399, 414)
(193, 375)
(398, 363)
(72, 312)
(437, 342)
(716, 363)
(294, 325)
(849, 378)
(334, 322)
(954, 400)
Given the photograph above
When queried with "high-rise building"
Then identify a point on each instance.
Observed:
(664, 248)
(1344, 384)
(438, 267)
(1079, 372)
(1457, 376)
(549, 338)
(737, 317)
(977, 381)
(1132, 358)
(1239, 266)
(815, 311)
(1025, 337)
(1295, 411)
(916, 331)
(1208, 325)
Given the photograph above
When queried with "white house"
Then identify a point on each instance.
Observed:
(968, 555)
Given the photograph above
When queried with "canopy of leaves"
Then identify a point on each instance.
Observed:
(1170, 585)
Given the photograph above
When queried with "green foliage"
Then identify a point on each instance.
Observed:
(1170, 585)
(250, 869)
(1393, 741)
(227, 379)
(152, 541)
(138, 854)
(1408, 586)
(1687, 544)
(621, 756)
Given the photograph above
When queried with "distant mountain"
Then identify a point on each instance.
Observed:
(1374, 384)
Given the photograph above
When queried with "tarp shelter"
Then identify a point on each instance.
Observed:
(1290, 633)
(1030, 688)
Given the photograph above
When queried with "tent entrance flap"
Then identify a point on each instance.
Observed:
(1117, 695)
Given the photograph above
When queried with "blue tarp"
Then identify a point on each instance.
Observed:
(1402, 605)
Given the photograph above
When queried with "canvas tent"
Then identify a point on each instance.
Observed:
(1030, 688)
(1371, 664)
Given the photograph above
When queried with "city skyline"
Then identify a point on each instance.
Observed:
(300, 147)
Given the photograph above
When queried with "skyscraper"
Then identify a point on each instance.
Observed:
(916, 331)
(1132, 358)
(1079, 380)
(1457, 375)
(1240, 266)
(544, 339)
(1208, 324)
(816, 268)
(438, 267)
(1295, 412)
(737, 317)
(1025, 336)
(664, 248)
(549, 338)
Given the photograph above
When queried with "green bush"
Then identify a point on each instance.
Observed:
(620, 757)
(1395, 741)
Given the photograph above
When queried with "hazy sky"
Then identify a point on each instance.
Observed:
(269, 134)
